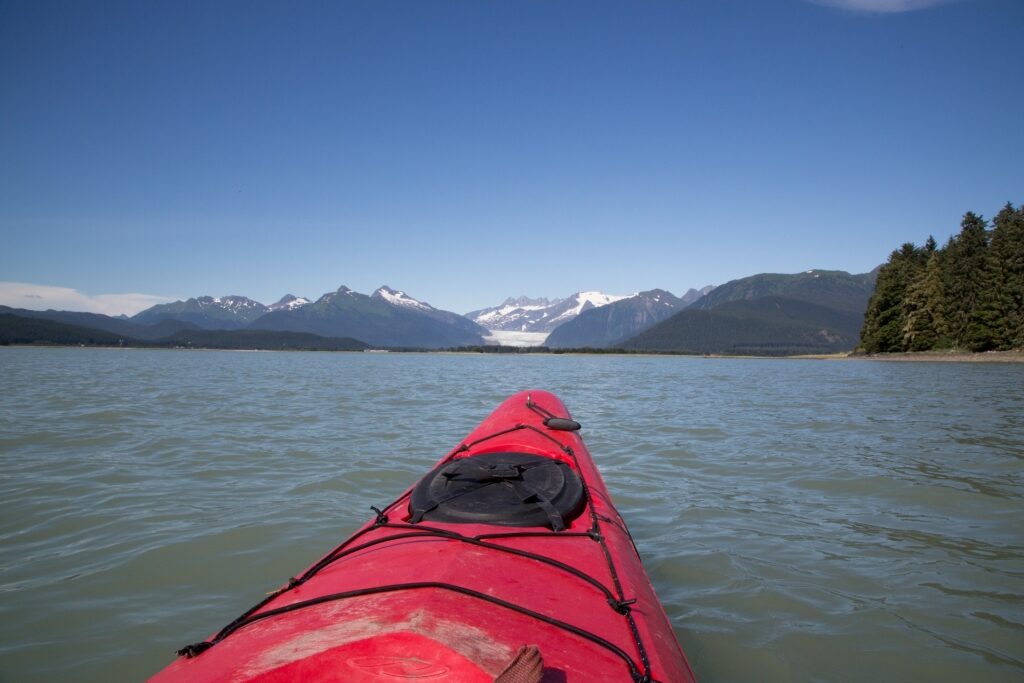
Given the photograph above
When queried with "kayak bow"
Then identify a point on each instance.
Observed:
(507, 562)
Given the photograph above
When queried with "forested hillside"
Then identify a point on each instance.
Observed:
(967, 294)
(768, 326)
(17, 329)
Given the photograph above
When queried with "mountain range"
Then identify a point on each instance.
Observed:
(812, 312)
(610, 325)
(523, 314)
(220, 313)
(539, 315)
(388, 317)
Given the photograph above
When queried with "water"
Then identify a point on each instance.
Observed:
(801, 520)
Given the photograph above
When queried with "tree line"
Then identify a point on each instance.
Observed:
(966, 295)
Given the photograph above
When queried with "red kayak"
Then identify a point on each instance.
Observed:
(507, 562)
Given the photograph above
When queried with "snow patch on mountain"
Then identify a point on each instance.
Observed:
(289, 302)
(229, 303)
(400, 298)
(504, 311)
(588, 300)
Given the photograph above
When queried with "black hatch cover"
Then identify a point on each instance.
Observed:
(509, 489)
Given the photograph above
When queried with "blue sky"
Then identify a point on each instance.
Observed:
(468, 151)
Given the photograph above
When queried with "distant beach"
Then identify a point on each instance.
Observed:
(946, 356)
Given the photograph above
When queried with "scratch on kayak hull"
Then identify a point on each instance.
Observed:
(355, 622)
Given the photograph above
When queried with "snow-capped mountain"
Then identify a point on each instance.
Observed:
(387, 317)
(288, 302)
(538, 315)
(403, 301)
(207, 312)
(520, 314)
(611, 324)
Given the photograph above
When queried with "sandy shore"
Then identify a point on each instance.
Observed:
(946, 357)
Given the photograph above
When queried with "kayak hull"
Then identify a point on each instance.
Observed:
(406, 598)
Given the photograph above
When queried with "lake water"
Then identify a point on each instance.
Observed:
(801, 520)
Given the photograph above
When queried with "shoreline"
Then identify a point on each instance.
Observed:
(944, 357)
(1016, 356)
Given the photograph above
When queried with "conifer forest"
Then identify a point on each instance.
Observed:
(965, 295)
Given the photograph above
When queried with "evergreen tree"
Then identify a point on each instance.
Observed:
(1003, 303)
(966, 260)
(987, 326)
(925, 326)
(885, 319)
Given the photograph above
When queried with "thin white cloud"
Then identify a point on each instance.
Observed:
(881, 6)
(42, 297)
